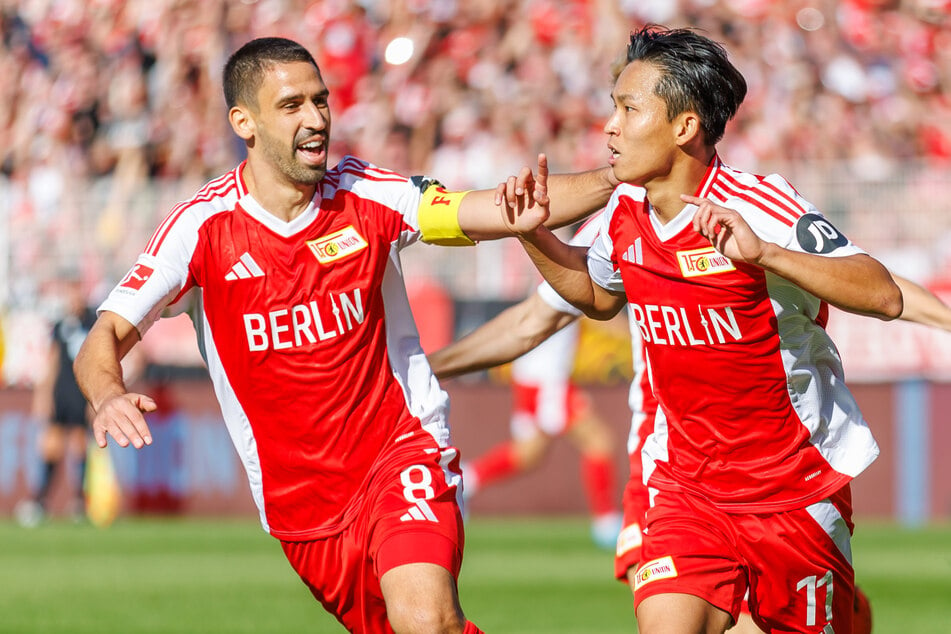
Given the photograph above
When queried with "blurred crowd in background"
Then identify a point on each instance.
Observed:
(111, 111)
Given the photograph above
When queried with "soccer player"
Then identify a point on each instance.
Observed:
(303, 320)
(546, 403)
(60, 406)
(727, 275)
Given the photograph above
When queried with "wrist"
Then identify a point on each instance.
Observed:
(767, 255)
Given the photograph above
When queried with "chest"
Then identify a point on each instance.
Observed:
(240, 262)
(674, 265)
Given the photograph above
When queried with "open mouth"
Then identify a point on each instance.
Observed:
(312, 151)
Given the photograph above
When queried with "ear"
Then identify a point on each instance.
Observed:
(687, 129)
(242, 122)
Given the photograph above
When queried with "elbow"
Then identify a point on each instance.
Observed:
(891, 304)
(599, 314)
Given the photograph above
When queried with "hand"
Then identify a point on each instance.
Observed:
(121, 417)
(726, 230)
(525, 198)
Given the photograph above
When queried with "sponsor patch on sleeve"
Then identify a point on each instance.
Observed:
(138, 276)
(662, 568)
(706, 261)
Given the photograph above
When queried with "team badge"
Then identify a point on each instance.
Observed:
(138, 276)
(662, 568)
(337, 245)
(706, 261)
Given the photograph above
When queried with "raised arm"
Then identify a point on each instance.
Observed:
(118, 412)
(922, 306)
(855, 283)
(575, 195)
(507, 336)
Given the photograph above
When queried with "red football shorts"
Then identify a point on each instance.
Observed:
(636, 502)
(636, 499)
(408, 514)
(549, 407)
(795, 564)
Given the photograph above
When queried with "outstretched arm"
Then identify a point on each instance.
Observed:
(509, 335)
(564, 267)
(855, 283)
(922, 306)
(118, 412)
(576, 195)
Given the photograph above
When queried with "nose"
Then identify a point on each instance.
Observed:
(316, 116)
(610, 126)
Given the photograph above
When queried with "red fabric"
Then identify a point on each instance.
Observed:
(496, 464)
(598, 475)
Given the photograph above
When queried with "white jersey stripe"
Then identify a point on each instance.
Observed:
(253, 268)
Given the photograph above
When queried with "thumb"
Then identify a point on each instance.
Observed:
(145, 403)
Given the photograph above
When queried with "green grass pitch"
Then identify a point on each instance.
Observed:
(521, 575)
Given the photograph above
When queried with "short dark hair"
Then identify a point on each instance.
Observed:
(245, 68)
(695, 75)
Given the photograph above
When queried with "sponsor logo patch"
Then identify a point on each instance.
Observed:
(630, 538)
(662, 568)
(706, 261)
(138, 276)
(337, 245)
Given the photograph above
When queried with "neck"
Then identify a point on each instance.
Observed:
(684, 177)
(278, 196)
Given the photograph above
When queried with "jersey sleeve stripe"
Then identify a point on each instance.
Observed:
(761, 198)
(374, 177)
(781, 201)
(214, 189)
(727, 193)
(784, 195)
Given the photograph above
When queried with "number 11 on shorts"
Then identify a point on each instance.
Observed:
(811, 584)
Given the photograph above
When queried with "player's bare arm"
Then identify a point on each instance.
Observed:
(855, 283)
(576, 196)
(118, 413)
(922, 306)
(563, 266)
(509, 335)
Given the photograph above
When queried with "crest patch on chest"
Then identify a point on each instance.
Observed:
(706, 261)
(337, 245)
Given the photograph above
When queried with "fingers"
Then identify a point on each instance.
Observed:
(540, 193)
(121, 417)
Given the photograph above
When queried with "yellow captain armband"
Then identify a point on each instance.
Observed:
(439, 217)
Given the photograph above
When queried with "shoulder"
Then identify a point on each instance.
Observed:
(771, 195)
(215, 197)
(373, 185)
(353, 173)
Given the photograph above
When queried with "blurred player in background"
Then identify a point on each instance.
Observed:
(304, 323)
(61, 408)
(546, 403)
(727, 276)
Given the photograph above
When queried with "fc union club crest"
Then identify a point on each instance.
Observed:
(706, 261)
(337, 245)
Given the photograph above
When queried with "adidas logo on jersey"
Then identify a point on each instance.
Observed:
(244, 268)
(634, 253)
(419, 512)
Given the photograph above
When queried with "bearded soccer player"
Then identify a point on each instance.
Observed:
(303, 321)
(728, 276)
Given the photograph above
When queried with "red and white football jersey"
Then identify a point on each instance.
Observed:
(753, 410)
(307, 333)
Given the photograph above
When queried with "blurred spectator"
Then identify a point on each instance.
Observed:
(110, 109)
